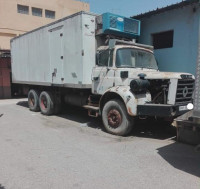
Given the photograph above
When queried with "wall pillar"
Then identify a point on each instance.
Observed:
(197, 83)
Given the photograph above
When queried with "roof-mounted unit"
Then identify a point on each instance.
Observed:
(113, 24)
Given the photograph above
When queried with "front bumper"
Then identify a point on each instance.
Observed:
(161, 110)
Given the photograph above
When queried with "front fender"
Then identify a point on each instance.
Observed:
(130, 99)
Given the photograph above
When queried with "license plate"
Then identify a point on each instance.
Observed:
(182, 108)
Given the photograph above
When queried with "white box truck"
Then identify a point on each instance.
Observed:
(93, 61)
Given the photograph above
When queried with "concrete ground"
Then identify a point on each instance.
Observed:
(72, 151)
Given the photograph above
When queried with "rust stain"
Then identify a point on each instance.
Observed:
(135, 101)
(130, 112)
(117, 89)
(168, 74)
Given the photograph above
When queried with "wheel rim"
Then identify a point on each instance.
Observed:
(114, 118)
(31, 100)
(43, 102)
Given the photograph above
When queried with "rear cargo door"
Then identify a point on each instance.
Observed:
(56, 54)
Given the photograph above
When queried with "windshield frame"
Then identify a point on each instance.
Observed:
(134, 48)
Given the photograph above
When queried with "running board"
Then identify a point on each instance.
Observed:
(93, 111)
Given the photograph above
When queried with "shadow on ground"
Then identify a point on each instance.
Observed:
(2, 187)
(181, 156)
(23, 104)
(142, 128)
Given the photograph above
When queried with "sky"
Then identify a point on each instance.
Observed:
(127, 7)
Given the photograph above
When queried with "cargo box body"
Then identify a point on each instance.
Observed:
(58, 54)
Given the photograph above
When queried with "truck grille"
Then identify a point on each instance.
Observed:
(185, 90)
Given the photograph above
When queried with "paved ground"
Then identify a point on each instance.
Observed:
(72, 151)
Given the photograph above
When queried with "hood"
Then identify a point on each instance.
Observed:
(154, 74)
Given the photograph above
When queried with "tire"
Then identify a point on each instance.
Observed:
(116, 119)
(46, 102)
(33, 100)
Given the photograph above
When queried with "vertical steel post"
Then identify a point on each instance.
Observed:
(197, 83)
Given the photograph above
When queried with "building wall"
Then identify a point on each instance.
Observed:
(5, 85)
(182, 57)
(13, 23)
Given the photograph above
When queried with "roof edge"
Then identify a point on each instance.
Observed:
(167, 8)
(52, 23)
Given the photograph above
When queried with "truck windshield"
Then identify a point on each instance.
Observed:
(135, 58)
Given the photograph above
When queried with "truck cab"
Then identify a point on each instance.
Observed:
(127, 78)
(117, 65)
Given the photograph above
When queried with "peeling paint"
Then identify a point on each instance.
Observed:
(129, 111)
(130, 100)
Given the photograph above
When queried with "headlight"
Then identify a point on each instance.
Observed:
(190, 106)
(183, 76)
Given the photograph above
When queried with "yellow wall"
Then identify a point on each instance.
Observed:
(13, 23)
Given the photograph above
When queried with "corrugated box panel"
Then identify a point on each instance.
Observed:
(60, 54)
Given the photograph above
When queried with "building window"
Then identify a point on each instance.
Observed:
(163, 40)
(49, 14)
(22, 9)
(36, 12)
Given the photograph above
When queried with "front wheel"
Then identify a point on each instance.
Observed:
(116, 119)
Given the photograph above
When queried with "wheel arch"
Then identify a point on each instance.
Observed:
(109, 96)
(123, 94)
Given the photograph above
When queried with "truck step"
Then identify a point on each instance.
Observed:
(92, 110)
(88, 107)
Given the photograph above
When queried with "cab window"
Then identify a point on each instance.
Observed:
(103, 58)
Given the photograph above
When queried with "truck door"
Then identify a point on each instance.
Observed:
(103, 73)
(56, 54)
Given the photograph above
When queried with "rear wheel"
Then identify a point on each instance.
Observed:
(33, 100)
(46, 102)
(116, 119)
